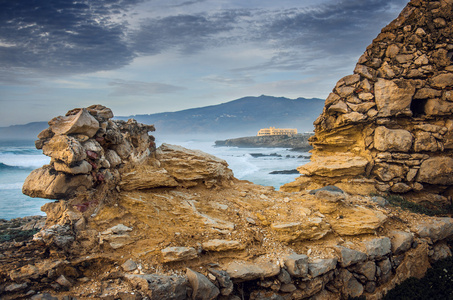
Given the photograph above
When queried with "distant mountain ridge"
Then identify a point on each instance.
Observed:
(244, 116)
(241, 117)
(27, 131)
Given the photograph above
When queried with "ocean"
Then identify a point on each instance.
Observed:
(19, 158)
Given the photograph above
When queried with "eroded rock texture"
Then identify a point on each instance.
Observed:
(388, 127)
(87, 149)
(135, 222)
(138, 223)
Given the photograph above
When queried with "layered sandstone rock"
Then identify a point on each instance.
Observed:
(389, 124)
(154, 217)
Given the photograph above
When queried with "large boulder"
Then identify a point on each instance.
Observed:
(146, 177)
(342, 164)
(437, 170)
(64, 148)
(393, 97)
(399, 140)
(47, 183)
(192, 166)
(82, 122)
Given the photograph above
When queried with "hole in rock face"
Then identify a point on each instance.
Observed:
(418, 107)
(450, 55)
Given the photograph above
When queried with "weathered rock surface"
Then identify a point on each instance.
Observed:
(244, 271)
(222, 245)
(435, 229)
(191, 166)
(75, 122)
(321, 266)
(400, 140)
(349, 256)
(160, 286)
(401, 241)
(297, 265)
(178, 253)
(332, 166)
(172, 209)
(378, 248)
(46, 182)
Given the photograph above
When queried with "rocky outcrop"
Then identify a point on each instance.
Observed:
(174, 223)
(87, 148)
(296, 142)
(388, 125)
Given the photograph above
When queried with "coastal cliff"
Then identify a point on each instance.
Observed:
(133, 221)
(296, 142)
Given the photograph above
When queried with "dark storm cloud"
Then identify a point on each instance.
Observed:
(54, 37)
(186, 33)
(63, 37)
(298, 36)
(336, 30)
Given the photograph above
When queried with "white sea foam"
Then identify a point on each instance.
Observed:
(255, 169)
(24, 160)
(11, 186)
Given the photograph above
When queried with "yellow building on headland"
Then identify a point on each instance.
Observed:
(276, 131)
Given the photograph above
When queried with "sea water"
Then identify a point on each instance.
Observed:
(255, 168)
(19, 158)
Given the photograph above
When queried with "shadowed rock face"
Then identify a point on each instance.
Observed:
(393, 115)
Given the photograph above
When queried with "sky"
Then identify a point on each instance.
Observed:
(150, 56)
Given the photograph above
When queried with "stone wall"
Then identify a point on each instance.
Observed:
(388, 126)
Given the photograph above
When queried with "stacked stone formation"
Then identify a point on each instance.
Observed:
(86, 148)
(391, 120)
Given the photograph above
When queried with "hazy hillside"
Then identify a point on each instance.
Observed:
(22, 132)
(241, 117)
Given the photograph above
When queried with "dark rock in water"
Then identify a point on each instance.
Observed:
(298, 142)
(293, 171)
(264, 155)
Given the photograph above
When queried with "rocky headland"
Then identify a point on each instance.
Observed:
(298, 142)
(132, 221)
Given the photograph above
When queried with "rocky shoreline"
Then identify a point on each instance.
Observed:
(174, 223)
(133, 221)
(297, 142)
